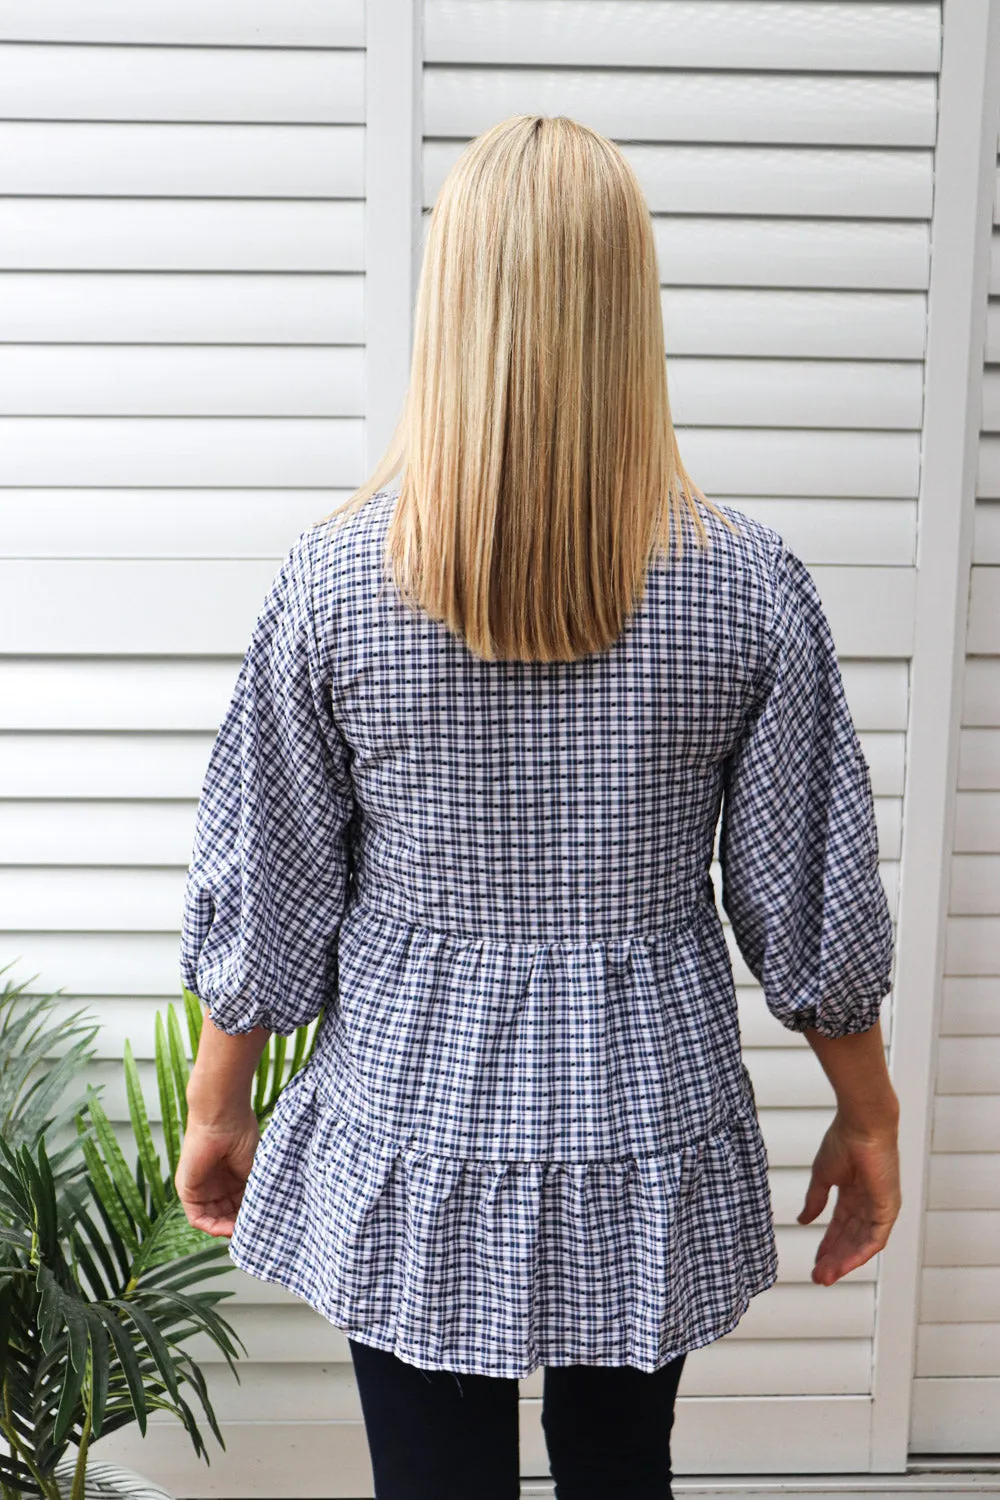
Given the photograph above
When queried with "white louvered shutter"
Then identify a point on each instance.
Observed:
(956, 1388)
(181, 391)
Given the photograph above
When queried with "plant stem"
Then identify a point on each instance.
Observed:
(80, 1472)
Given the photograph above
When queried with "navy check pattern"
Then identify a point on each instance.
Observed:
(526, 1135)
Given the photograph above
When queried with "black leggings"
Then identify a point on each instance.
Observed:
(434, 1435)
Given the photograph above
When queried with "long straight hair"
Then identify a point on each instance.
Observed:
(540, 467)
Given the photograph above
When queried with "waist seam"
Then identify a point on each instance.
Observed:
(697, 912)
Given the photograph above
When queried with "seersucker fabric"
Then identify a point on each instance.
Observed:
(526, 1135)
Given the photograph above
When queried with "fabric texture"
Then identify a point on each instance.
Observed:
(526, 1135)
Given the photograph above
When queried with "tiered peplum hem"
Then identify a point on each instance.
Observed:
(496, 1267)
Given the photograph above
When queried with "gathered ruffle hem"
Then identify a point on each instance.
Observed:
(498, 1267)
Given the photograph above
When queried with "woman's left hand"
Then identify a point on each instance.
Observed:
(215, 1161)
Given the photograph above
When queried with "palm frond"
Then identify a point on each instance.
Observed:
(172, 1238)
(128, 1362)
(180, 1067)
(166, 1084)
(192, 1011)
(143, 1135)
(102, 1277)
(110, 1203)
(100, 1373)
(116, 1166)
(32, 1085)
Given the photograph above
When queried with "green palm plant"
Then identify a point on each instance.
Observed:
(32, 1086)
(99, 1265)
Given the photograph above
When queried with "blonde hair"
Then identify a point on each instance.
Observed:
(540, 468)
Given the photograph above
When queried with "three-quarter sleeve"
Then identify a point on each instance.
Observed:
(798, 843)
(267, 881)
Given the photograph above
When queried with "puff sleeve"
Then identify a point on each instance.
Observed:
(267, 880)
(798, 845)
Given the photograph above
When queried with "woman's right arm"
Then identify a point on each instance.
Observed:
(856, 1067)
(859, 1154)
(802, 887)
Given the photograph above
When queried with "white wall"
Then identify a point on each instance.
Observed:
(182, 389)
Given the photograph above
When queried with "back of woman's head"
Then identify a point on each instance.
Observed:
(539, 465)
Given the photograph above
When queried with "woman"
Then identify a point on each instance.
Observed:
(471, 774)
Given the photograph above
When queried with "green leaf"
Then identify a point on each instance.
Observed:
(171, 1237)
(129, 1364)
(107, 1198)
(197, 1379)
(194, 1431)
(76, 1324)
(12, 1182)
(66, 1160)
(154, 1341)
(90, 1242)
(169, 1114)
(280, 1048)
(143, 1135)
(38, 1114)
(50, 1314)
(178, 1063)
(31, 1083)
(6, 1315)
(75, 1370)
(116, 1417)
(202, 1316)
(261, 1075)
(15, 1474)
(41, 1191)
(100, 1370)
(193, 1012)
(84, 1268)
(15, 1237)
(301, 1038)
(192, 1267)
(122, 1252)
(116, 1163)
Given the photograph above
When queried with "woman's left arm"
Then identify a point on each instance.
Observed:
(222, 1133)
(268, 880)
(220, 1082)
(267, 884)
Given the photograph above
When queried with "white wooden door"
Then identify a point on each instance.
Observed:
(182, 389)
(956, 1389)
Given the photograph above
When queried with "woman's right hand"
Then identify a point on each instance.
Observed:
(214, 1166)
(863, 1164)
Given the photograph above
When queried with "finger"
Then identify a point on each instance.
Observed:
(829, 1271)
(845, 1256)
(211, 1206)
(216, 1225)
(845, 1235)
(815, 1200)
(846, 1231)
